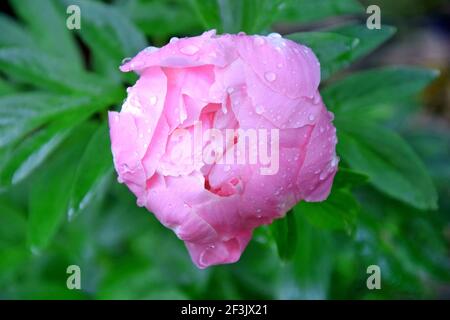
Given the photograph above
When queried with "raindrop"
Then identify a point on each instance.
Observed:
(259, 109)
(189, 50)
(311, 117)
(331, 114)
(322, 129)
(323, 175)
(230, 90)
(126, 60)
(258, 210)
(259, 41)
(226, 168)
(274, 35)
(173, 39)
(270, 76)
(334, 161)
(151, 49)
(153, 100)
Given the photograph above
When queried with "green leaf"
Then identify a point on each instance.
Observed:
(49, 196)
(233, 16)
(35, 149)
(339, 211)
(156, 18)
(12, 223)
(47, 23)
(55, 74)
(111, 35)
(355, 94)
(306, 11)
(390, 163)
(95, 165)
(208, 13)
(13, 34)
(347, 179)
(332, 49)
(22, 113)
(308, 275)
(369, 39)
(284, 231)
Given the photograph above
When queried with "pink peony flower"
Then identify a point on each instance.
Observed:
(222, 134)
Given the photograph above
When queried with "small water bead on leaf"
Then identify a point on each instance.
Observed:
(189, 50)
(270, 76)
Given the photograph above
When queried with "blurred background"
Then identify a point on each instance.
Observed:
(60, 204)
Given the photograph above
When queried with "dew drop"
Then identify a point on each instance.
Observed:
(270, 76)
(189, 50)
(230, 90)
(151, 49)
(311, 117)
(126, 60)
(173, 39)
(322, 129)
(226, 168)
(153, 100)
(259, 41)
(331, 114)
(274, 35)
(259, 109)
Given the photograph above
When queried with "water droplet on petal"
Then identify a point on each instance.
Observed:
(125, 60)
(259, 109)
(230, 90)
(311, 117)
(189, 50)
(279, 66)
(173, 39)
(270, 76)
(274, 35)
(153, 100)
(227, 168)
(331, 114)
(259, 41)
(322, 129)
(151, 49)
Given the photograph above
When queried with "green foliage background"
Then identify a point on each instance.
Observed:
(60, 203)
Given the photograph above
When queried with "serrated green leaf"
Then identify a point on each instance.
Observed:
(306, 11)
(49, 197)
(47, 23)
(55, 74)
(355, 94)
(339, 211)
(95, 165)
(332, 49)
(386, 158)
(284, 231)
